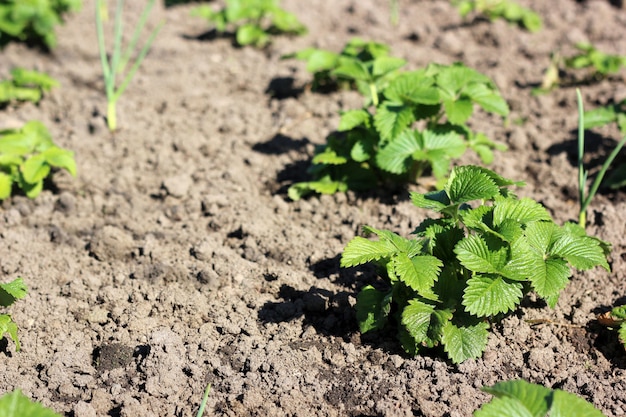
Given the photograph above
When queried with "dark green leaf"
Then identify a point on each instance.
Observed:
(467, 183)
(372, 308)
(391, 119)
(462, 343)
(489, 295)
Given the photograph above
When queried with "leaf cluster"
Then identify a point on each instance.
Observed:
(25, 85)
(471, 265)
(255, 21)
(33, 20)
(363, 65)
(600, 62)
(26, 157)
(502, 9)
(523, 399)
(616, 318)
(9, 293)
(601, 116)
(16, 404)
(419, 123)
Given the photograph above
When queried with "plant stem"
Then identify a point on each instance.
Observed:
(111, 115)
(204, 400)
(374, 94)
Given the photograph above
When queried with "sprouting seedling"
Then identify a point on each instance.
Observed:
(505, 9)
(521, 398)
(615, 319)
(598, 118)
(25, 85)
(9, 293)
(468, 266)
(205, 398)
(118, 62)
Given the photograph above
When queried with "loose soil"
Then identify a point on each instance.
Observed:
(175, 258)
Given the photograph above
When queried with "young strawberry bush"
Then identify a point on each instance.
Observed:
(469, 266)
(363, 65)
(9, 293)
(386, 145)
(16, 404)
(25, 85)
(26, 157)
(255, 21)
(502, 9)
(521, 398)
(33, 20)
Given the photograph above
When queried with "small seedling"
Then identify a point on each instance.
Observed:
(501, 9)
(9, 293)
(594, 118)
(16, 404)
(364, 65)
(25, 85)
(468, 267)
(615, 319)
(205, 398)
(118, 62)
(520, 398)
(26, 157)
(386, 147)
(33, 21)
(255, 21)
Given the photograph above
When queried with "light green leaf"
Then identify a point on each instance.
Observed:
(372, 308)
(60, 158)
(448, 141)
(458, 111)
(435, 200)
(489, 295)
(16, 404)
(416, 319)
(565, 404)
(550, 278)
(475, 255)
(396, 156)
(251, 34)
(386, 64)
(352, 69)
(418, 272)
(329, 157)
(11, 291)
(35, 169)
(462, 343)
(391, 119)
(6, 184)
(532, 397)
(581, 252)
(353, 118)
(522, 211)
(7, 326)
(600, 117)
(320, 60)
(360, 250)
(467, 183)
(413, 88)
(503, 407)
(453, 78)
(486, 98)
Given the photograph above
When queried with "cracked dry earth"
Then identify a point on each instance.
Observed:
(175, 258)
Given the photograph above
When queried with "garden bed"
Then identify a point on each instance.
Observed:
(175, 258)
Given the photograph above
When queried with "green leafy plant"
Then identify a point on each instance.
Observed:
(523, 399)
(616, 319)
(388, 146)
(33, 20)
(468, 267)
(25, 85)
(117, 65)
(501, 9)
(9, 293)
(255, 21)
(363, 65)
(594, 118)
(26, 157)
(16, 404)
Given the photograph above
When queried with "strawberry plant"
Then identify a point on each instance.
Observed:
(521, 398)
(255, 21)
(594, 118)
(26, 157)
(469, 266)
(16, 404)
(364, 65)
(33, 20)
(386, 146)
(615, 319)
(25, 85)
(501, 9)
(9, 293)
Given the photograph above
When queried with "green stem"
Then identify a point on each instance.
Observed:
(204, 400)
(374, 94)
(111, 115)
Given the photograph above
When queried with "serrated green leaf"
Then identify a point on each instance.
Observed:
(418, 272)
(458, 111)
(386, 64)
(396, 156)
(16, 404)
(23, 77)
(474, 254)
(550, 278)
(372, 308)
(329, 157)
(360, 251)
(7, 326)
(11, 291)
(503, 407)
(489, 295)
(251, 34)
(467, 183)
(353, 118)
(424, 323)
(532, 397)
(462, 343)
(320, 60)
(60, 158)
(391, 119)
(352, 69)
(35, 169)
(486, 98)
(435, 200)
(454, 77)
(414, 88)
(581, 252)
(565, 404)
(523, 211)
(446, 140)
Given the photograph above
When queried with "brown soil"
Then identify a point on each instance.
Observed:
(175, 258)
